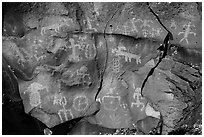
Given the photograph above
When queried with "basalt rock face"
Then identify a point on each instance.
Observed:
(122, 68)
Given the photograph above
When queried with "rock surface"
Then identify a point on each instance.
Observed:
(87, 60)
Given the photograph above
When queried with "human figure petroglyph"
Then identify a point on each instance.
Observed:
(34, 96)
(66, 112)
(137, 96)
(187, 32)
(74, 56)
(82, 46)
(59, 99)
(62, 101)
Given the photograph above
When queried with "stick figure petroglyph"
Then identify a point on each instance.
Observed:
(138, 97)
(59, 99)
(74, 56)
(34, 96)
(62, 101)
(186, 32)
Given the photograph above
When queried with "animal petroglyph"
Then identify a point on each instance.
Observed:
(187, 32)
(128, 56)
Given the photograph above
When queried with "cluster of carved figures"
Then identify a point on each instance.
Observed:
(80, 102)
(147, 28)
(70, 73)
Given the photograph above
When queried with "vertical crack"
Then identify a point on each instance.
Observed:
(151, 10)
(106, 59)
(164, 48)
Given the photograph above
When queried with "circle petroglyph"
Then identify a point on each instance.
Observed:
(80, 103)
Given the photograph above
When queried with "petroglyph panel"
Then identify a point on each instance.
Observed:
(88, 61)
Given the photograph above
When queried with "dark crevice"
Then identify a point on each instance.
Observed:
(163, 48)
(106, 59)
(188, 81)
(178, 91)
(10, 79)
(159, 20)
